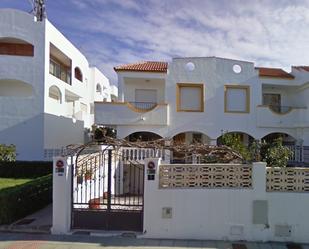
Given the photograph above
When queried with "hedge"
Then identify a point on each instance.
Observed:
(22, 200)
(25, 169)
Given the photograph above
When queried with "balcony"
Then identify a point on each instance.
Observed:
(131, 113)
(281, 116)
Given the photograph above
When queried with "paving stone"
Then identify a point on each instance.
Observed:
(252, 245)
(224, 245)
(278, 245)
(166, 242)
(209, 244)
(180, 243)
(195, 244)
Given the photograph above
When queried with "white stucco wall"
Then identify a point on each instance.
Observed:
(21, 117)
(214, 73)
(220, 214)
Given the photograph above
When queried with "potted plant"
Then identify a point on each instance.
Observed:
(88, 174)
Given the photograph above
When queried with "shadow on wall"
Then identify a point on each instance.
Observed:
(31, 136)
(62, 131)
(26, 135)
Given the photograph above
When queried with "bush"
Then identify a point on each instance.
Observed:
(275, 154)
(25, 169)
(22, 200)
(7, 152)
(233, 141)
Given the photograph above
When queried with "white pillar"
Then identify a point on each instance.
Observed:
(62, 195)
(150, 186)
(259, 179)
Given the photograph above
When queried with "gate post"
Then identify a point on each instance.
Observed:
(151, 185)
(62, 194)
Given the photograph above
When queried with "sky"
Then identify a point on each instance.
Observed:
(113, 32)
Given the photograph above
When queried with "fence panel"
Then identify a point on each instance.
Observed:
(205, 176)
(287, 180)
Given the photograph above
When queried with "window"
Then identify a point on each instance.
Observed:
(190, 97)
(60, 71)
(55, 94)
(98, 88)
(237, 99)
(78, 74)
(145, 95)
(12, 46)
(273, 100)
(83, 107)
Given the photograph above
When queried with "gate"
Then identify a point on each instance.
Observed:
(107, 191)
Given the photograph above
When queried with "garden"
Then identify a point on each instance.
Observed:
(25, 187)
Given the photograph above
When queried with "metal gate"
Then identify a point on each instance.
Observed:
(107, 191)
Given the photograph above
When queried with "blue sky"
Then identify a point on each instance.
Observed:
(113, 32)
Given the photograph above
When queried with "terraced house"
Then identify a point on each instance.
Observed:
(47, 87)
(199, 99)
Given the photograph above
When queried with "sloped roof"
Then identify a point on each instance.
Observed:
(144, 66)
(305, 68)
(274, 72)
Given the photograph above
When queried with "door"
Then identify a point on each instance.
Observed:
(273, 100)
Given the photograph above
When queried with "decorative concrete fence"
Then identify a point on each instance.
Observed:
(287, 179)
(225, 202)
(205, 176)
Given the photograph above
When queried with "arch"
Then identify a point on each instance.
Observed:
(98, 88)
(287, 139)
(142, 136)
(191, 137)
(55, 94)
(246, 138)
(15, 88)
(15, 46)
(78, 74)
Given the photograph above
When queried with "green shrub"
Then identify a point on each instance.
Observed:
(233, 140)
(275, 154)
(25, 169)
(7, 152)
(22, 200)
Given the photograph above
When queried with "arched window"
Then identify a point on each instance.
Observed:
(55, 94)
(78, 74)
(99, 88)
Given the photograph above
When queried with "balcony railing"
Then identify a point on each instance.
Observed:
(281, 116)
(143, 106)
(280, 109)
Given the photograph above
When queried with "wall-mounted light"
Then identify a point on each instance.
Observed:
(143, 118)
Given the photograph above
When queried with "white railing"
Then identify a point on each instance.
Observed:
(139, 154)
(300, 153)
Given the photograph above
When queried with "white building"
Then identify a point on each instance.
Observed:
(198, 99)
(47, 87)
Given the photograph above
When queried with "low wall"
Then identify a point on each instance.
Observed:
(230, 212)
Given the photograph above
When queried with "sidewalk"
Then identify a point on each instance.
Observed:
(44, 241)
(38, 222)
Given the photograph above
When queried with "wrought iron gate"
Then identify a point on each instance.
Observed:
(107, 191)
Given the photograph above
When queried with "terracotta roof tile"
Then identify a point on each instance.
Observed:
(274, 73)
(145, 66)
(306, 68)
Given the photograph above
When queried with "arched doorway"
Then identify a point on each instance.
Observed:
(191, 137)
(287, 139)
(188, 137)
(142, 136)
(245, 138)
